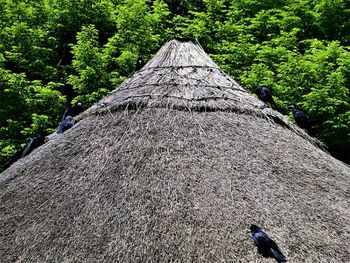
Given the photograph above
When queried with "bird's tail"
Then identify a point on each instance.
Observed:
(273, 105)
(278, 256)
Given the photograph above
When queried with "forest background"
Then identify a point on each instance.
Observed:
(56, 52)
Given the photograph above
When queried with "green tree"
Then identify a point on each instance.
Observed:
(92, 79)
(26, 108)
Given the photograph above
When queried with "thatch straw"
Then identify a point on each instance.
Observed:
(182, 76)
(159, 184)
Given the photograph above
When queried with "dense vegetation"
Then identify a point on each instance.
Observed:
(55, 52)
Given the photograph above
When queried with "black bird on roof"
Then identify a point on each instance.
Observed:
(299, 117)
(264, 95)
(266, 246)
(139, 63)
(74, 110)
(30, 146)
(66, 124)
(34, 143)
(14, 158)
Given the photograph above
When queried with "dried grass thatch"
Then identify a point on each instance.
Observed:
(174, 166)
(182, 76)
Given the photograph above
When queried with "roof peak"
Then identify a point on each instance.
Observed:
(175, 53)
(182, 76)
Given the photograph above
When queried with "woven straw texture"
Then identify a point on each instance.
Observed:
(174, 166)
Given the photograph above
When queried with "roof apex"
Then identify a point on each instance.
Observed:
(182, 76)
(175, 53)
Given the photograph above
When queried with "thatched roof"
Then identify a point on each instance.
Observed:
(175, 165)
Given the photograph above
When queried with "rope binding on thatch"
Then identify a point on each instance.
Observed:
(181, 76)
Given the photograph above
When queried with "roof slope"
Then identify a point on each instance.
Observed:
(140, 180)
(182, 75)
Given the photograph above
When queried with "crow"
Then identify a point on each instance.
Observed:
(139, 63)
(66, 124)
(34, 143)
(30, 146)
(299, 117)
(266, 246)
(264, 95)
(14, 158)
(74, 110)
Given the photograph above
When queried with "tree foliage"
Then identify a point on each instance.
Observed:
(53, 53)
